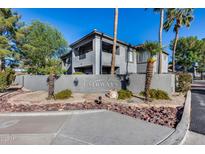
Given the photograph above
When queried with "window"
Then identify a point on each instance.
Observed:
(130, 56)
(143, 56)
(86, 47)
(107, 47)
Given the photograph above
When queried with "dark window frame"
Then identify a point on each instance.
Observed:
(109, 48)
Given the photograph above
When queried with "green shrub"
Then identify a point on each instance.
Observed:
(78, 73)
(10, 76)
(183, 82)
(3, 82)
(65, 94)
(156, 94)
(6, 79)
(124, 94)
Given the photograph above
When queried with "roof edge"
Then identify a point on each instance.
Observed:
(95, 32)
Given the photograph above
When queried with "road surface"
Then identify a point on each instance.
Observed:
(196, 135)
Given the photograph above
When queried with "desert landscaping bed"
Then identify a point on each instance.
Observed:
(164, 115)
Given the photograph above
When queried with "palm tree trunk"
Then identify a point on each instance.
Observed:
(114, 41)
(148, 80)
(174, 50)
(51, 79)
(160, 40)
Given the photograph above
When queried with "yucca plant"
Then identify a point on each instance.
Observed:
(153, 48)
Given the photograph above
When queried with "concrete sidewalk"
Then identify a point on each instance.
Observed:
(78, 127)
(194, 139)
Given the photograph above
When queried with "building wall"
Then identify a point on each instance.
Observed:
(93, 58)
(97, 83)
(88, 61)
(121, 59)
(141, 65)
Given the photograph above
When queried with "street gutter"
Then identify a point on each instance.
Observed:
(180, 133)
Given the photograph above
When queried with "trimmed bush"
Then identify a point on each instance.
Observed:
(156, 94)
(6, 79)
(65, 94)
(124, 94)
(183, 82)
(78, 73)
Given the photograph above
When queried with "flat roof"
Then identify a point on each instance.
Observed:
(95, 32)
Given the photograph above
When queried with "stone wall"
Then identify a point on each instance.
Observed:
(97, 83)
(87, 83)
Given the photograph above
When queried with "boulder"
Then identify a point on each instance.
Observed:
(112, 94)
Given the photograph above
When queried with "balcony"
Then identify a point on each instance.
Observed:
(84, 59)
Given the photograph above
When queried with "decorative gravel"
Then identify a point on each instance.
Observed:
(166, 116)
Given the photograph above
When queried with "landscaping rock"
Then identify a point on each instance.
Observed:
(112, 94)
(166, 116)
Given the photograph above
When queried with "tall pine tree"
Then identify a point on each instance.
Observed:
(8, 28)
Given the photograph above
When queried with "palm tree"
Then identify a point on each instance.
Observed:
(180, 18)
(161, 11)
(51, 83)
(114, 42)
(153, 48)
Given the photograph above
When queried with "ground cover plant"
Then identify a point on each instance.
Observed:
(156, 94)
(65, 94)
(124, 94)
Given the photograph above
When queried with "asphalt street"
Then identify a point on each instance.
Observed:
(198, 107)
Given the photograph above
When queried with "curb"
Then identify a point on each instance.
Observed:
(51, 113)
(180, 133)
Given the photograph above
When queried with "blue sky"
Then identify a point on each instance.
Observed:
(135, 25)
